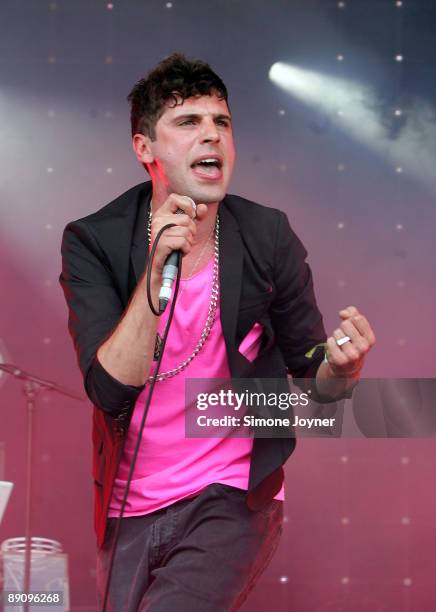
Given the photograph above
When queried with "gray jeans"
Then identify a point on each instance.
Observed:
(202, 554)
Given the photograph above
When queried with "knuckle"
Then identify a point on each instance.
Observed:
(364, 345)
(353, 354)
(341, 359)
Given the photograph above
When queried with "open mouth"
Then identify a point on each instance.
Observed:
(208, 167)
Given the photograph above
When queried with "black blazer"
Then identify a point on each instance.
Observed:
(263, 278)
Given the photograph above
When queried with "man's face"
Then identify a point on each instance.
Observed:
(186, 135)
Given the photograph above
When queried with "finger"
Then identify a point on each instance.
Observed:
(334, 354)
(176, 202)
(178, 220)
(179, 230)
(348, 349)
(174, 233)
(359, 342)
(361, 323)
(202, 210)
(178, 243)
(175, 221)
(349, 311)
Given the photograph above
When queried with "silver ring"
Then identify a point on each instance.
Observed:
(343, 340)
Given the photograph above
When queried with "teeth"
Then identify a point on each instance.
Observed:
(207, 162)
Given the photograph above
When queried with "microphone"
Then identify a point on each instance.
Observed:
(171, 269)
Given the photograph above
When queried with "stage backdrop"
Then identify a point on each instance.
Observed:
(333, 109)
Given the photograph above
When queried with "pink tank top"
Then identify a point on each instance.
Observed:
(169, 466)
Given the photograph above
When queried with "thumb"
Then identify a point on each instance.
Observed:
(201, 211)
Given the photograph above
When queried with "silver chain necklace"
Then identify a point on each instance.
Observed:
(214, 294)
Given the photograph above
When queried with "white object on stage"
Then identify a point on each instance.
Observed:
(5, 492)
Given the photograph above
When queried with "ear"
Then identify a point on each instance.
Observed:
(143, 148)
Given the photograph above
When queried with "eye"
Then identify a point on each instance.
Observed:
(187, 122)
(223, 122)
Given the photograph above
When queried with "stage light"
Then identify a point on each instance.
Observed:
(399, 227)
(340, 58)
(399, 58)
(341, 225)
(363, 118)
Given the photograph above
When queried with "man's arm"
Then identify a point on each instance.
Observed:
(127, 354)
(115, 347)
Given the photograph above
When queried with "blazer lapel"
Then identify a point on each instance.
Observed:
(230, 276)
(139, 252)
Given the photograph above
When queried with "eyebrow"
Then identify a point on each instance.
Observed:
(198, 116)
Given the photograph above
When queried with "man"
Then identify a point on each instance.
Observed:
(202, 517)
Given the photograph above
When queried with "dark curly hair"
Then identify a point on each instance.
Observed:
(172, 81)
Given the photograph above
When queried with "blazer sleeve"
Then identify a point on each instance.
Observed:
(95, 309)
(295, 316)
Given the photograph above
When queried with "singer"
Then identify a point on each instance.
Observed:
(203, 517)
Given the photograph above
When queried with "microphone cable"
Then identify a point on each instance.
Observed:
(146, 407)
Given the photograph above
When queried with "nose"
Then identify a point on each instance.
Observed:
(209, 131)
